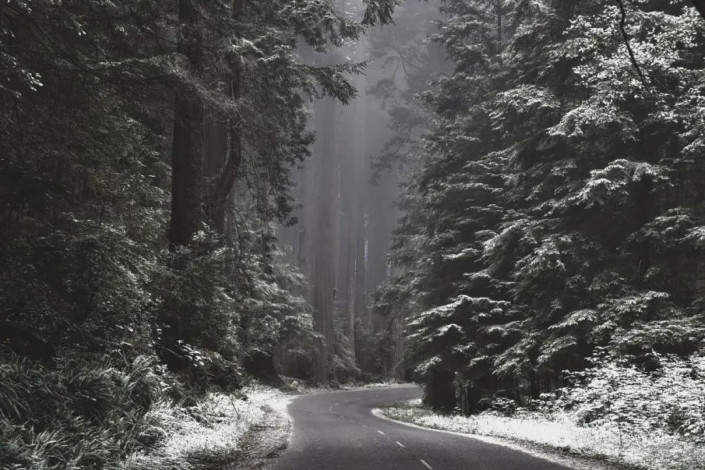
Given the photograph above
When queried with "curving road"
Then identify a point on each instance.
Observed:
(337, 431)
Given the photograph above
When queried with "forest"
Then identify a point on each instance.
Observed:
(499, 200)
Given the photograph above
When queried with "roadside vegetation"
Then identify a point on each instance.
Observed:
(550, 260)
(547, 269)
(614, 411)
(146, 157)
(99, 416)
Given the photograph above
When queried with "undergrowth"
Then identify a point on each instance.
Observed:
(616, 411)
(83, 415)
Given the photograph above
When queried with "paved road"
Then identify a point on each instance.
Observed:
(337, 431)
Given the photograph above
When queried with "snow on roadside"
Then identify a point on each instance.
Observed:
(210, 430)
(230, 419)
(656, 451)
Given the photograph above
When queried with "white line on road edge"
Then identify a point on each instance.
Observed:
(401, 445)
(571, 462)
(426, 465)
(380, 432)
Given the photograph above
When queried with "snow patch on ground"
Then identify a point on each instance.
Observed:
(230, 419)
(653, 452)
(212, 430)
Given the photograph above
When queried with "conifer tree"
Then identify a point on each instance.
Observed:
(104, 106)
(557, 196)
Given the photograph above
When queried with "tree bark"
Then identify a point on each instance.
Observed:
(359, 248)
(439, 392)
(324, 253)
(186, 150)
(218, 199)
(345, 255)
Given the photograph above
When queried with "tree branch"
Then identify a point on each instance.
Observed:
(632, 57)
(229, 173)
(700, 6)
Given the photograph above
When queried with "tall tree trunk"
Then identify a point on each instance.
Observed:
(215, 144)
(359, 293)
(358, 312)
(324, 272)
(439, 391)
(346, 251)
(186, 151)
(381, 217)
(218, 198)
(352, 173)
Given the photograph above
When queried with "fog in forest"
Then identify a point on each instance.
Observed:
(347, 190)
(212, 212)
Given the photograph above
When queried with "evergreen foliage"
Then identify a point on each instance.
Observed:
(102, 105)
(557, 207)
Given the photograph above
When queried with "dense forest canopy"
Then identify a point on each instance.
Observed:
(557, 207)
(147, 150)
(128, 124)
(488, 197)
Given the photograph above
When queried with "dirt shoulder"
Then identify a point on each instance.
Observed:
(261, 446)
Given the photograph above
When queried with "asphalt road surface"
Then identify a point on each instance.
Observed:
(337, 431)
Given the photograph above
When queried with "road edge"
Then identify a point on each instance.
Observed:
(551, 454)
(262, 445)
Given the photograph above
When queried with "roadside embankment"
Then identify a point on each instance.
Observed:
(599, 447)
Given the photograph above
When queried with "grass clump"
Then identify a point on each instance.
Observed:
(94, 415)
(75, 415)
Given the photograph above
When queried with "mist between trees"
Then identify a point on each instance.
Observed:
(478, 196)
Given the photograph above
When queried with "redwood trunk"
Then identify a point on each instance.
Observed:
(186, 151)
(218, 201)
(324, 255)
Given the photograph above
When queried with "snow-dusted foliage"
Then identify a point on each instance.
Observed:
(614, 410)
(562, 186)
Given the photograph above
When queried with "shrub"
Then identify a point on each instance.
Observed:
(670, 398)
(76, 415)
